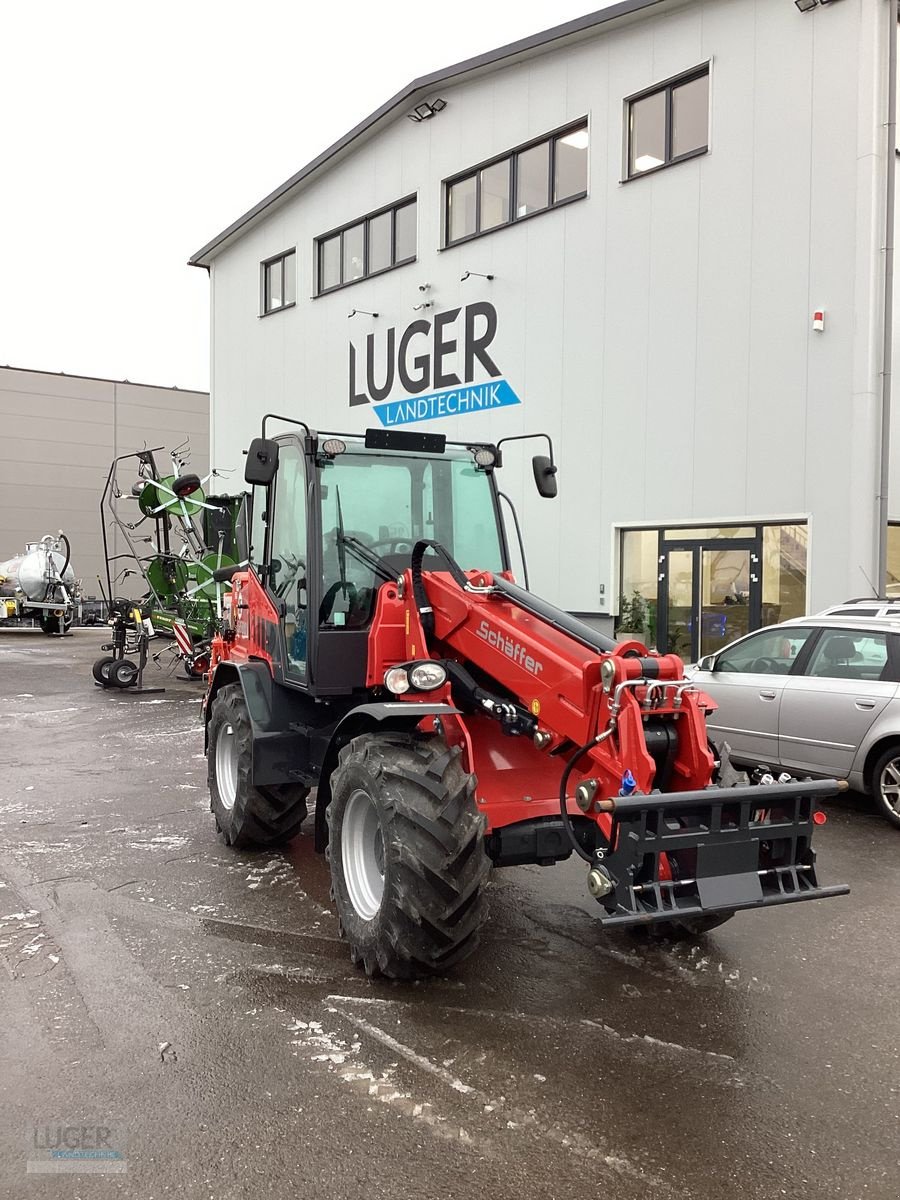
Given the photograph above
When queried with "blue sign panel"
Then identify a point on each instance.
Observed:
(453, 403)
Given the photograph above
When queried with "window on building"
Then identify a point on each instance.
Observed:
(668, 123)
(373, 244)
(892, 582)
(527, 180)
(279, 282)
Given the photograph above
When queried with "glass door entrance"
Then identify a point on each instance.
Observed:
(709, 594)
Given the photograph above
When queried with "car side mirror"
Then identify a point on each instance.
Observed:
(262, 462)
(707, 663)
(544, 475)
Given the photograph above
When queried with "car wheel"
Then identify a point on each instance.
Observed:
(886, 784)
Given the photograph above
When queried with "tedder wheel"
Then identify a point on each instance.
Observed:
(886, 784)
(100, 670)
(406, 846)
(196, 668)
(246, 815)
(123, 674)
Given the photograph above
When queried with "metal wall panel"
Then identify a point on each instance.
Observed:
(58, 435)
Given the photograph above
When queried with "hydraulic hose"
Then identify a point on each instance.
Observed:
(563, 798)
(68, 553)
(420, 596)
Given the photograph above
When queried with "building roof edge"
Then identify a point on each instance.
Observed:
(490, 58)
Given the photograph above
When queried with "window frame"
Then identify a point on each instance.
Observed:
(797, 667)
(891, 647)
(511, 156)
(340, 230)
(668, 86)
(265, 265)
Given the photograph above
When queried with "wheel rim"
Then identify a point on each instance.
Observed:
(889, 786)
(226, 766)
(362, 853)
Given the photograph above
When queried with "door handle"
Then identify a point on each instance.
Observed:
(865, 703)
(767, 694)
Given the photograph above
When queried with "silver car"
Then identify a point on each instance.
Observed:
(814, 696)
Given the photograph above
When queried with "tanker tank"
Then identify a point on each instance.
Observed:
(40, 584)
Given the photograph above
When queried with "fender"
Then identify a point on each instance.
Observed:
(283, 720)
(390, 714)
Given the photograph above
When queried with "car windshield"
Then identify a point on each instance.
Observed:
(386, 503)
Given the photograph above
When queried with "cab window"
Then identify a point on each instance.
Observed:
(386, 503)
(770, 652)
(287, 567)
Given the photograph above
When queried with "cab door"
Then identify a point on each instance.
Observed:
(827, 710)
(287, 545)
(747, 682)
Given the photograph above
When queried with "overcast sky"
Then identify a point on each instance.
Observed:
(132, 133)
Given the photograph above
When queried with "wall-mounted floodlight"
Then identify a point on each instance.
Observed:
(477, 274)
(360, 312)
(426, 110)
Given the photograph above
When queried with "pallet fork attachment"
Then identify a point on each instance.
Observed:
(723, 849)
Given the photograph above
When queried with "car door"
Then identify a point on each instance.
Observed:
(746, 681)
(827, 710)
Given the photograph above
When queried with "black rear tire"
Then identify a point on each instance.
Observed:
(50, 624)
(247, 816)
(429, 847)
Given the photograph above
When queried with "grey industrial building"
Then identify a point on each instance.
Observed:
(58, 435)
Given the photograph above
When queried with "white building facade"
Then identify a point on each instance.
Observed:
(620, 233)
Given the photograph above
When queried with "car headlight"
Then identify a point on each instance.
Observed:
(426, 676)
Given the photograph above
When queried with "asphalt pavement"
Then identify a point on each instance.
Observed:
(192, 1012)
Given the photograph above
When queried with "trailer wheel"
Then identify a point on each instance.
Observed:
(406, 845)
(100, 670)
(50, 624)
(246, 816)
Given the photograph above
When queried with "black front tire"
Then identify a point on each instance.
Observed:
(430, 847)
(247, 816)
(886, 785)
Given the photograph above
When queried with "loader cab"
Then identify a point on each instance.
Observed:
(339, 518)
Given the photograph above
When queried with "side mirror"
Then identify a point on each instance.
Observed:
(262, 462)
(707, 663)
(544, 475)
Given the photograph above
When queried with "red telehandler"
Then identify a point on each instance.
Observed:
(378, 650)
